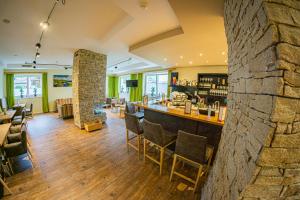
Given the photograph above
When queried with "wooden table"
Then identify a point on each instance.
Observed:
(4, 130)
(21, 105)
(7, 118)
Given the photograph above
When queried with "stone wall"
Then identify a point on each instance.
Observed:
(259, 152)
(89, 75)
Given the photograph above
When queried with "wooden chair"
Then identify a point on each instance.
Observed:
(192, 149)
(155, 134)
(133, 125)
(29, 110)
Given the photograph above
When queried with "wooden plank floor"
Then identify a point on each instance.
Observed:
(72, 164)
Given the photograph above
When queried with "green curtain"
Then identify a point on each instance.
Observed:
(169, 83)
(132, 90)
(136, 93)
(139, 92)
(116, 86)
(45, 92)
(113, 86)
(10, 90)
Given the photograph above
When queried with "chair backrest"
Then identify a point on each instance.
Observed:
(122, 101)
(153, 132)
(24, 138)
(130, 108)
(19, 110)
(190, 146)
(132, 123)
(23, 114)
(31, 107)
(108, 101)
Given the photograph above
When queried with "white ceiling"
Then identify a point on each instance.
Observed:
(111, 27)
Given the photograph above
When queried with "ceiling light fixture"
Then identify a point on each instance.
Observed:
(190, 62)
(44, 25)
(200, 54)
(38, 45)
(181, 57)
(37, 54)
(165, 59)
(207, 61)
(223, 53)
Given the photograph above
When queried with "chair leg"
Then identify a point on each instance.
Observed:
(198, 177)
(162, 153)
(139, 145)
(30, 158)
(145, 148)
(173, 166)
(4, 184)
(29, 151)
(10, 166)
(127, 139)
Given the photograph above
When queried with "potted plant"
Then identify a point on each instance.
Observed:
(34, 92)
(21, 92)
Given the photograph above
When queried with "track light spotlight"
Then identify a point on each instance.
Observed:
(37, 54)
(34, 62)
(38, 45)
(44, 25)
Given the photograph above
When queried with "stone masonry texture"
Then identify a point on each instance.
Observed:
(89, 75)
(259, 152)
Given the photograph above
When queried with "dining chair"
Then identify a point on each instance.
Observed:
(15, 148)
(194, 150)
(159, 137)
(135, 126)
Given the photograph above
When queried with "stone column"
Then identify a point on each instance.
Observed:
(89, 74)
(259, 152)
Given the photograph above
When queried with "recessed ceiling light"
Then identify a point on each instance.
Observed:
(6, 21)
(44, 25)
(200, 54)
(225, 61)
(207, 61)
(223, 53)
(190, 62)
(176, 64)
(165, 59)
(181, 57)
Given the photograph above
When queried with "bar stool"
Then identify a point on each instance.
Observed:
(155, 134)
(135, 126)
(192, 149)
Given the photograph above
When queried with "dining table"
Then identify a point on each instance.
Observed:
(7, 116)
(4, 130)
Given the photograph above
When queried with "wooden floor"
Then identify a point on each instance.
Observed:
(72, 164)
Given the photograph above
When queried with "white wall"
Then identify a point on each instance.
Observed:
(191, 73)
(53, 92)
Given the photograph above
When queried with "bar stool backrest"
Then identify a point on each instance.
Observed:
(190, 146)
(153, 132)
(132, 123)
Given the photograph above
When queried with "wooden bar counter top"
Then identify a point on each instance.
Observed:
(179, 112)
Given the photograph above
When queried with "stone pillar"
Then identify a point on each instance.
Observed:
(89, 75)
(259, 151)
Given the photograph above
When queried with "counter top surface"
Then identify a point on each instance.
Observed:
(179, 112)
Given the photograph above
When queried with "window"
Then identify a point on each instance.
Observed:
(27, 85)
(123, 90)
(156, 84)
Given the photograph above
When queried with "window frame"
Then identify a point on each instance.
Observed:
(27, 94)
(156, 74)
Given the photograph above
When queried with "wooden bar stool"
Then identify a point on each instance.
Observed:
(161, 138)
(192, 149)
(135, 126)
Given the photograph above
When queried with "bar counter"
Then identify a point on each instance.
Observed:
(174, 119)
